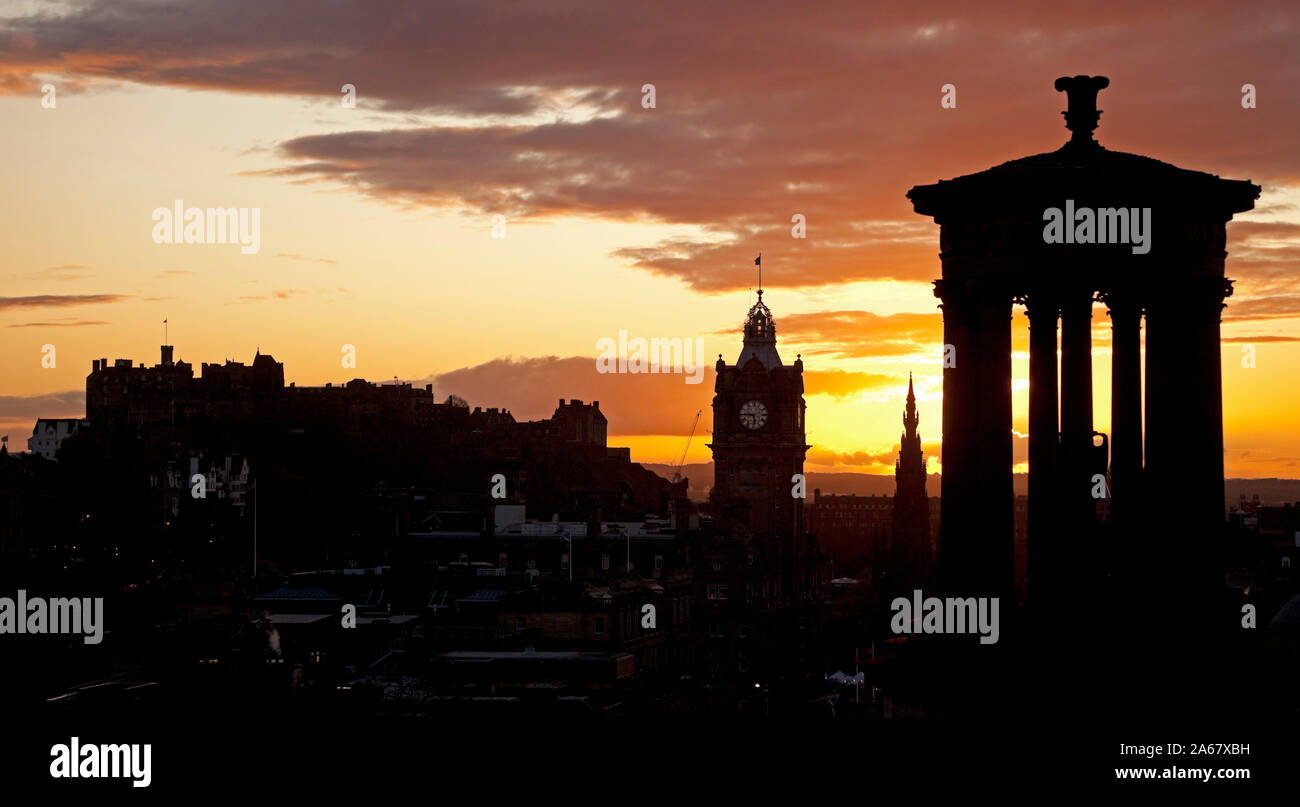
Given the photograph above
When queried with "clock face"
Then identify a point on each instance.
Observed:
(753, 415)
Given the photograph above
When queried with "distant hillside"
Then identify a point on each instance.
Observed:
(1271, 490)
(700, 475)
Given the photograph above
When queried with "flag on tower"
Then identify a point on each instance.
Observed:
(759, 260)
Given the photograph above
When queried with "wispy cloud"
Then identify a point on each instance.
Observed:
(291, 256)
(77, 324)
(69, 403)
(841, 383)
(67, 271)
(278, 294)
(59, 300)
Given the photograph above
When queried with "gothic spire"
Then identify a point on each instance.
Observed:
(910, 417)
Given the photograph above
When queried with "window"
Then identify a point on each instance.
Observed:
(501, 559)
(532, 564)
(564, 560)
(464, 557)
(604, 561)
(717, 591)
(521, 623)
(659, 563)
(600, 626)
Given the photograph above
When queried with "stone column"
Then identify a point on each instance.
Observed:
(1125, 407)
(1183, 532)
(1077, 504)
(1184, 448)
(957, 451)
(976, 538)
(1044, 544)
(995, 457)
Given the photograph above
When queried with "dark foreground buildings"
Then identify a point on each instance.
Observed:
(365, 547)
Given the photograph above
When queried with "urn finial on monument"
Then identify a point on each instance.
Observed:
(1082, 115)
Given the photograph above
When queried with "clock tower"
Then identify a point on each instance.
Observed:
(758, 434)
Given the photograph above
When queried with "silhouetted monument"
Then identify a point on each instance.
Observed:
(909, 544)
(1146, 239)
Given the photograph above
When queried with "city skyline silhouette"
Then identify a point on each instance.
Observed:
(920, 380)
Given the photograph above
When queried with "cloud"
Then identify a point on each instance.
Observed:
(1264, 257)
(851, 459)
(59, 300)
(861, 334)
(77, 324)
(634, 404)
(293, 257)
(832, 114)
(841, 383)
(1259, 339)
(67, 271)
(865, 459)
(279, 294)
(70, 403)
(1262, 308)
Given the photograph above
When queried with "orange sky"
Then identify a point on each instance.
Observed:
(376, 221)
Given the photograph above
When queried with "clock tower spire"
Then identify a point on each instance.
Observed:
(758, 434)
